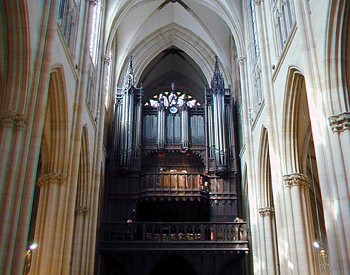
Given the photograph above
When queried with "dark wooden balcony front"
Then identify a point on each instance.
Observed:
(213, 236)
(173, 184)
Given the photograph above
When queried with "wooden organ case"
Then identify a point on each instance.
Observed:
(172, 170)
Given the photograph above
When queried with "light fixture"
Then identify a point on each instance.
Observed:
(33, 246)
(317, 245)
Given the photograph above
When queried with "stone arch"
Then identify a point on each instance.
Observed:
(266, 197)
(338, 56)
(14, 55)
(232, 20)
(174, 35)
(296, 121)
(298, 184)
(82, 207)
(55, 125)
(267, 206)
(52, 182)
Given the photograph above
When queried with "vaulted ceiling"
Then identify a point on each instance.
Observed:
(174, 40)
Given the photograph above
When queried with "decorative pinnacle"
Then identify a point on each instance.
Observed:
(129, 76)
(130, 69)
(217, 82)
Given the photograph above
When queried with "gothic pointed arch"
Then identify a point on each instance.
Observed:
(56, 122)
(297, 145)
(82, 207)
(53, 179)
(265, 170)
(175, 35)
(296, 120)
(267, 206)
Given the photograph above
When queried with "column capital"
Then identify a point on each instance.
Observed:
(340, 123)
(56, 178)
(82, 210)
(266, 211)
(296, 179)
(106, 58)
(13, 119)
(241, 60)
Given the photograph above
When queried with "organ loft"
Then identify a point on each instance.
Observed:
(171, 189)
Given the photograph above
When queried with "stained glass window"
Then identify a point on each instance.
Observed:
(169, 99)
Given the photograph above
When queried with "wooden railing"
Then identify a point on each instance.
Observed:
(138, 235)
(174, 181)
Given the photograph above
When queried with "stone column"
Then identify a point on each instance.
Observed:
(340, 144)
(298, 185)
(12, 125)
(76, 141)
(19, 174)
(267, 214)
(80, 245)
(48, 230)
(252, 189)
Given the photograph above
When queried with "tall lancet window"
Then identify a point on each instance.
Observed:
(255, 34)
(95, 33)
(67, 21)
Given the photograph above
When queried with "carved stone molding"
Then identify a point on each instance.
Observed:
(296, 179)
(106, 59)
(82, 211)
(56, 178)
(13, 119)
(241, 60)
(266, 211)
(340, 123)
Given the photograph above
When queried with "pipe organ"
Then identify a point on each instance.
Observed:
(175, 112)
(171, 181)
(127, 123)
(175, 137)
(219, 125)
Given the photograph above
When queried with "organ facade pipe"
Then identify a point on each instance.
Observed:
(127, 134)
(184, 128)
(218, 121)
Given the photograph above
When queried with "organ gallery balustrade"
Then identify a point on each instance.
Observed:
(168, 236)
(170, 182)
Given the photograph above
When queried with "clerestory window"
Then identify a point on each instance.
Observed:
(95, 33)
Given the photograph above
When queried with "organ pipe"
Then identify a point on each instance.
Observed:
(127, 112)
(218, 123)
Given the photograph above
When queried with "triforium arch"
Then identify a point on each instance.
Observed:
(267, 207)
(49, 223)
(297, 183)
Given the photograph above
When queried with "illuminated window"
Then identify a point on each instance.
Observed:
(96, 20)
(169, 99)
(255, 35)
